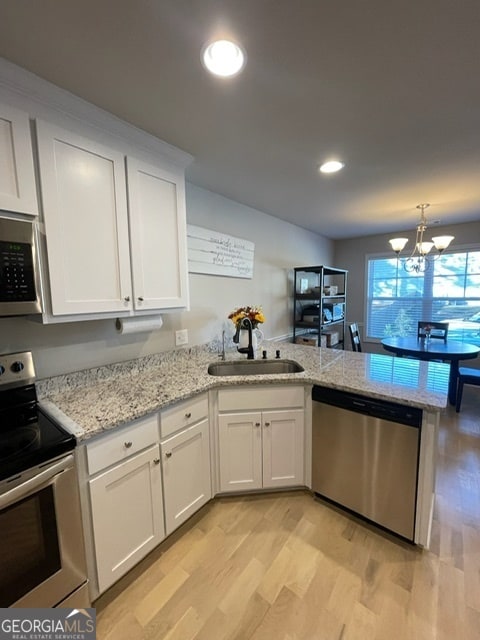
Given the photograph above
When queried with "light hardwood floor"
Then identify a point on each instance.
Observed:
(287, 567)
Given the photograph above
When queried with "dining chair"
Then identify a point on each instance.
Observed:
(437, 329)
(466, 375)
(355, 336)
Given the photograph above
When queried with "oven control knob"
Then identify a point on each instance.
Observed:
(17, 366)
(2, 370)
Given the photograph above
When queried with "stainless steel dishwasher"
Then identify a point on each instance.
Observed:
(365, 457)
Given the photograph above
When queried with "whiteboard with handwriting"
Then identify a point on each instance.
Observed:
(219, 254)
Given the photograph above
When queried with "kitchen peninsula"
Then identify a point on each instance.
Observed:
(102, 398)
(188, 433)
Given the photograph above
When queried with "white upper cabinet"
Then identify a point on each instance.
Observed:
(86, 223)
(156, 200)
(17, 179)
(105, 257)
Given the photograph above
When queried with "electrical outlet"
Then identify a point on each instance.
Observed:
(181, 337)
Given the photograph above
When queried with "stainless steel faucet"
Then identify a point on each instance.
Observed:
(222, 353)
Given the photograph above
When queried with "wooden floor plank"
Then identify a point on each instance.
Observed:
(151, 604)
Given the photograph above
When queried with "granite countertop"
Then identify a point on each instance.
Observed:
(96, 400)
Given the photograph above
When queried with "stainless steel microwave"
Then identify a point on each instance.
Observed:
(19, 278)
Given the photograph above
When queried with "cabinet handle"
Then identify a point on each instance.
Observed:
(267, 424)
(128, 445)
(257, 424)
(168, 454)
(156, 461)
(127, 298)
(140, 299)
(188, 415)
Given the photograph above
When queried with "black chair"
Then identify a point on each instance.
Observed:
(437, 329)
(355, 336)
(466, 375)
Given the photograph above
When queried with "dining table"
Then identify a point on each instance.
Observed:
(451, 351)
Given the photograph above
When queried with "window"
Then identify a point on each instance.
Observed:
(448, 291)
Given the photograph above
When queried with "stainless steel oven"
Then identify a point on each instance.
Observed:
(42, 557)
(19, 275)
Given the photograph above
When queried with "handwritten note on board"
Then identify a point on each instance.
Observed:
(219, 254)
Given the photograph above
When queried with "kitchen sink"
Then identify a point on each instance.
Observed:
(254, 367)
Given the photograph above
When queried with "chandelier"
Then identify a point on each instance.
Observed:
(419, 261)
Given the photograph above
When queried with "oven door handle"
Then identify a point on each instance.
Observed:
(41, 480)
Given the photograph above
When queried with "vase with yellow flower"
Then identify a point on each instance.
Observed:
(247, 334)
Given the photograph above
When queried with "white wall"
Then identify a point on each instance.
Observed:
(279, 246)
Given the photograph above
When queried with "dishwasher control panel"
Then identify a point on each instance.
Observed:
(403, 414)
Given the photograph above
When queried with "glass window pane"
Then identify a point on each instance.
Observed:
(472, 287)
(473, 263)
(448, 291)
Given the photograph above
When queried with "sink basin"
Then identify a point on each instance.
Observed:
(253, 367)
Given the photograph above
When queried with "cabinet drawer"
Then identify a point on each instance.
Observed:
(122, 443)
(183, 415)
(265, 397)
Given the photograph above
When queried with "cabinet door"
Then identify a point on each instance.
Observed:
(156, 200)
(86, 223)
(240, 451)
(186, 474)
(127, 514)
(17, 179)
(283, 448)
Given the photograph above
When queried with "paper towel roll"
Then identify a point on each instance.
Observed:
(139, 324)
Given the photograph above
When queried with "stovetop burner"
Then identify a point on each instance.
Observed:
(17, 441)
(28, 437)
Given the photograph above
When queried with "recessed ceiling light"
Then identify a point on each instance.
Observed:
(331, 166)
(223, 58)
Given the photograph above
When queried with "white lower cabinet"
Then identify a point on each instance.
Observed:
(263, 448)
(127, 514)
(283, 435)
(125, 500)
(186, 474)
(185, 449)
(240, 451)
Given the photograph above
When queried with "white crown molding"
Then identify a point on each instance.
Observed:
(24, 83)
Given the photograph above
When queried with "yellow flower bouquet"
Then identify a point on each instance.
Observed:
(254, 314)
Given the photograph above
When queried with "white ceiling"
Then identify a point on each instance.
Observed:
(391, 87)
